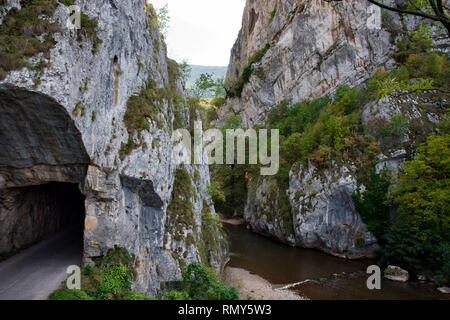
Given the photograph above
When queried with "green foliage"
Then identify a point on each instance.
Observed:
(297, 117)
(185, 70)
(202, 283)
(419, 238)
(390, 134)
(66, 294)
(316, 129)
(176, 295)
(109, 279)
(136, 296)
(180, 212)
(419, 70)
(111, 282)
(215, 192)
(373, 205)
(229, 180)
(425, 251)
(423, 191)
(22, 29)
(149, 105)
(88, 30)
(347, 99)
(20, 32)
(163, 19)
(204, 86)
(212, 238)
(235, 90)
(273, 13)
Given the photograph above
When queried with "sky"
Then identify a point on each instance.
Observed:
(202, 31)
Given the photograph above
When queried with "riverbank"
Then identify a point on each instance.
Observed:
(254, 287)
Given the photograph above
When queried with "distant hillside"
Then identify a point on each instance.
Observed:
(217, 72)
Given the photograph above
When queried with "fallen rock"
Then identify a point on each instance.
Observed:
(395, 273)
(445, 290)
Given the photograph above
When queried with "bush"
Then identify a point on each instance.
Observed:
(236, 89)
(423, 193)
(22, 28)
(109, 279)
(176, 295)
(426, 251)
(347, 100)
(373, 206)
(200, 283)
(419, 239)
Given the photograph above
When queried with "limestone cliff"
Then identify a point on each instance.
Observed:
(298, 50)
(96, 107)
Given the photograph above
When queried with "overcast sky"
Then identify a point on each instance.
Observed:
(202, 31)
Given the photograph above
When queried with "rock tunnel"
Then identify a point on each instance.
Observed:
(43, 165)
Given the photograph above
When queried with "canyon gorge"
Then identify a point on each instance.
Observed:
(87, 116)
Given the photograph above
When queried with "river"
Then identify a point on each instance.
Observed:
(325, 277)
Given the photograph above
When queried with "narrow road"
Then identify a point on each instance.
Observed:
(36, 272)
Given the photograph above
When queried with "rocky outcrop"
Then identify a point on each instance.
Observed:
(319, 212)
(64, 122)
(324, 215)
(395, 273)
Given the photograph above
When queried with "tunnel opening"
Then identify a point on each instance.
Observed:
(43, 166)
(36, 213)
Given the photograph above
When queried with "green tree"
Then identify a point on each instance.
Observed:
(185, 70)
(200, 283)
(373, 206)
(423, 191)
(163, 19)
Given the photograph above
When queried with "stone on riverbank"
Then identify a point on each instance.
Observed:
(445, 290)
(395, 273)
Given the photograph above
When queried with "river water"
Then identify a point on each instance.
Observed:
(324, 276)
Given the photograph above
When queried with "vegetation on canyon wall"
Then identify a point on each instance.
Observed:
(234, 89)
(28, 31)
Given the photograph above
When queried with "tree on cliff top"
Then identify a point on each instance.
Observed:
(435, 10)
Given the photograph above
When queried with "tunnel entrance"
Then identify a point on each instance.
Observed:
(37, 212)
(43, 166)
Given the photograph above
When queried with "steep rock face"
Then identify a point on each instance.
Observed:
(315, 47)
(123, 168)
